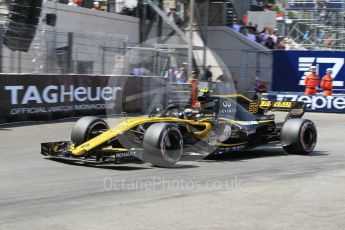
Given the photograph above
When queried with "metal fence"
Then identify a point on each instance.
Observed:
(54, 52)
(58, 52)
(316, 24)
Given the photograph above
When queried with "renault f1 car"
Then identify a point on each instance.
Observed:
(221, 124)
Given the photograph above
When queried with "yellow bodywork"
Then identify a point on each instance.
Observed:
(131, 123)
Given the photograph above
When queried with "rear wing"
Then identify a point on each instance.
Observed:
(295, 109)
(279, 105)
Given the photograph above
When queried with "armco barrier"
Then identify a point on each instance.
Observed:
(316, 103)
(49, 97)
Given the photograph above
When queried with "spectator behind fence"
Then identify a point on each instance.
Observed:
(130, 7)
(274, 36)
(257, 79)
(269, 43)
(119, 6)
(252, 28)
(260, 89)
(264, 34)
(96, 6)
(207, 76)
(259, 86)
(171, 15)
(72, 3)
(171, 74)
(258, 83)
(282, 45)
(139, 70)
(251, 35)
(181, 75)
(237, 25)
(243, 31)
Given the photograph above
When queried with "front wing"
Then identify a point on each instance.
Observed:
(62, 150)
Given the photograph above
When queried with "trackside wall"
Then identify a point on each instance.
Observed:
(28, 97)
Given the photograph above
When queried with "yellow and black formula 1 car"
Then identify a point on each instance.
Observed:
(221, 124)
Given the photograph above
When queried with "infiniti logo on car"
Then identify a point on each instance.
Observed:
(227, 104)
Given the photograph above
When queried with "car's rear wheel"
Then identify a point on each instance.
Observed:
(299, 136)
(87, 128)
(163, 145)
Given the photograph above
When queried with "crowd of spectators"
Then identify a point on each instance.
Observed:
(179, 75)
(176, 74)
(139, 70)
(267, 37)
(173, 73)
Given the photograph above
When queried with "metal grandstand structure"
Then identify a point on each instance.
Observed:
(316, 24)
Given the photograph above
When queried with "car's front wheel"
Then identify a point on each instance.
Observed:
(87, 128)
(163, 145)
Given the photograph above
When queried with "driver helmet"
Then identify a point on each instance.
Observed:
(329, 70)
(188, 113)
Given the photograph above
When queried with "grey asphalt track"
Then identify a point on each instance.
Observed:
(258, 189)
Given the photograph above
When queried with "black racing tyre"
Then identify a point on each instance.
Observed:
(87, 128)
(163, 145)
(299, 136)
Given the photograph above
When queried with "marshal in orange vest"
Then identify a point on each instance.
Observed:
(327, 83)
(311, 82)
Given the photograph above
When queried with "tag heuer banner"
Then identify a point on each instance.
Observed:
(291, 67)
(48, 97)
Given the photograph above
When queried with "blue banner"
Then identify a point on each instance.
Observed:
(315, 103)
(291, 67)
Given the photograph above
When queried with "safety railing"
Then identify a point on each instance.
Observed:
(66, 53)
(55, 52)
